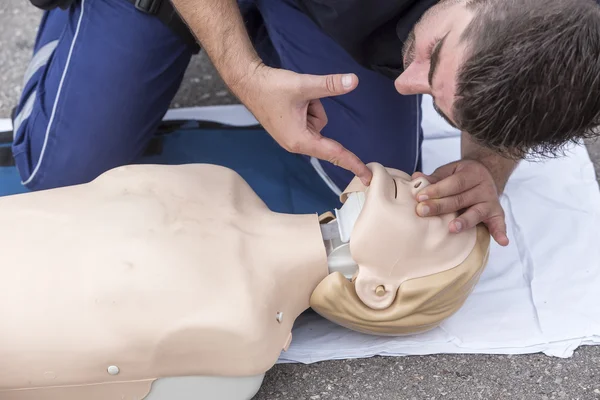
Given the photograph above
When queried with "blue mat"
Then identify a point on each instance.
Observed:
(286, 182)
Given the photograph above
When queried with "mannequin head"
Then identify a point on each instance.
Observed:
(403, 259)
(391, 243)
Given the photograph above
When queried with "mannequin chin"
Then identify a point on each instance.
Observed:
(121, 287)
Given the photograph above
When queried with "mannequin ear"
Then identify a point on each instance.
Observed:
(355, 185)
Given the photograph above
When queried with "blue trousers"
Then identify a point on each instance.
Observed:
(103, 75)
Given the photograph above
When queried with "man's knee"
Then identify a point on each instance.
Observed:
(48, 159)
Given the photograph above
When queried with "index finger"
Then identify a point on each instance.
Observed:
(450, 186)
(329, 150)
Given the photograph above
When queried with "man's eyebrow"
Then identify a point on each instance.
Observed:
(435, 59)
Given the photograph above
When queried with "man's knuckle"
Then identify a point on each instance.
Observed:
(460, 202)
(330, 83)
(295, 146)
(438, 207)
(481, 212)
(499, 213)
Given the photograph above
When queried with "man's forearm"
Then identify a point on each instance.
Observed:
(218, 26)
(501, 168)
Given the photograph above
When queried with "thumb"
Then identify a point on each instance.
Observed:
(319, 86)
(442, 172)
(417, 175)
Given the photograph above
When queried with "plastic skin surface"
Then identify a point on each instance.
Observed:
(161, 271)
(392, 244)
(412, 272)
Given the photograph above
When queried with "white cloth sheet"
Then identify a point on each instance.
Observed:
(5, 125)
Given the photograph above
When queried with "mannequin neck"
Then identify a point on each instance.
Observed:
(337, 230)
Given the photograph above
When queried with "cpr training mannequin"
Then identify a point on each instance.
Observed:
(177, 282)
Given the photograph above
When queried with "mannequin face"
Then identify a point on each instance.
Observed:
(392, 244)
(395, 189)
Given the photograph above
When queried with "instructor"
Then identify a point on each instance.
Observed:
(337, 80)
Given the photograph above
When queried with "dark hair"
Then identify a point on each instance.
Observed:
(530, 83)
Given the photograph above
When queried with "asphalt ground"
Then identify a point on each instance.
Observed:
(420, 378)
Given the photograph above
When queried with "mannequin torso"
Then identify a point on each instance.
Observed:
(161, 271)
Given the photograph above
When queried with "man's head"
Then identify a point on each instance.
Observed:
(520, 76)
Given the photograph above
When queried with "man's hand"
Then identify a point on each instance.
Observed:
(288, 106)
(465, 186)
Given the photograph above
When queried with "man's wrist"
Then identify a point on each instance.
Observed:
(240, 78)
(500, 168)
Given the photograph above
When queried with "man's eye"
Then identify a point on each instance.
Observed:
(432, 46)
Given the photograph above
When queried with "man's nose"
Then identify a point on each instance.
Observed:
(414, 80)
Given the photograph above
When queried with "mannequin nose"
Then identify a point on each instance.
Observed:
(413, 80)
(416, 185)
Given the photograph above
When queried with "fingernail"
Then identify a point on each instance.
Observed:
(347, 81)
(424, 210)
(422, 197)
(458, 226)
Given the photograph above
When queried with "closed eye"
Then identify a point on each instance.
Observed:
(434, 56)
(395, 189)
